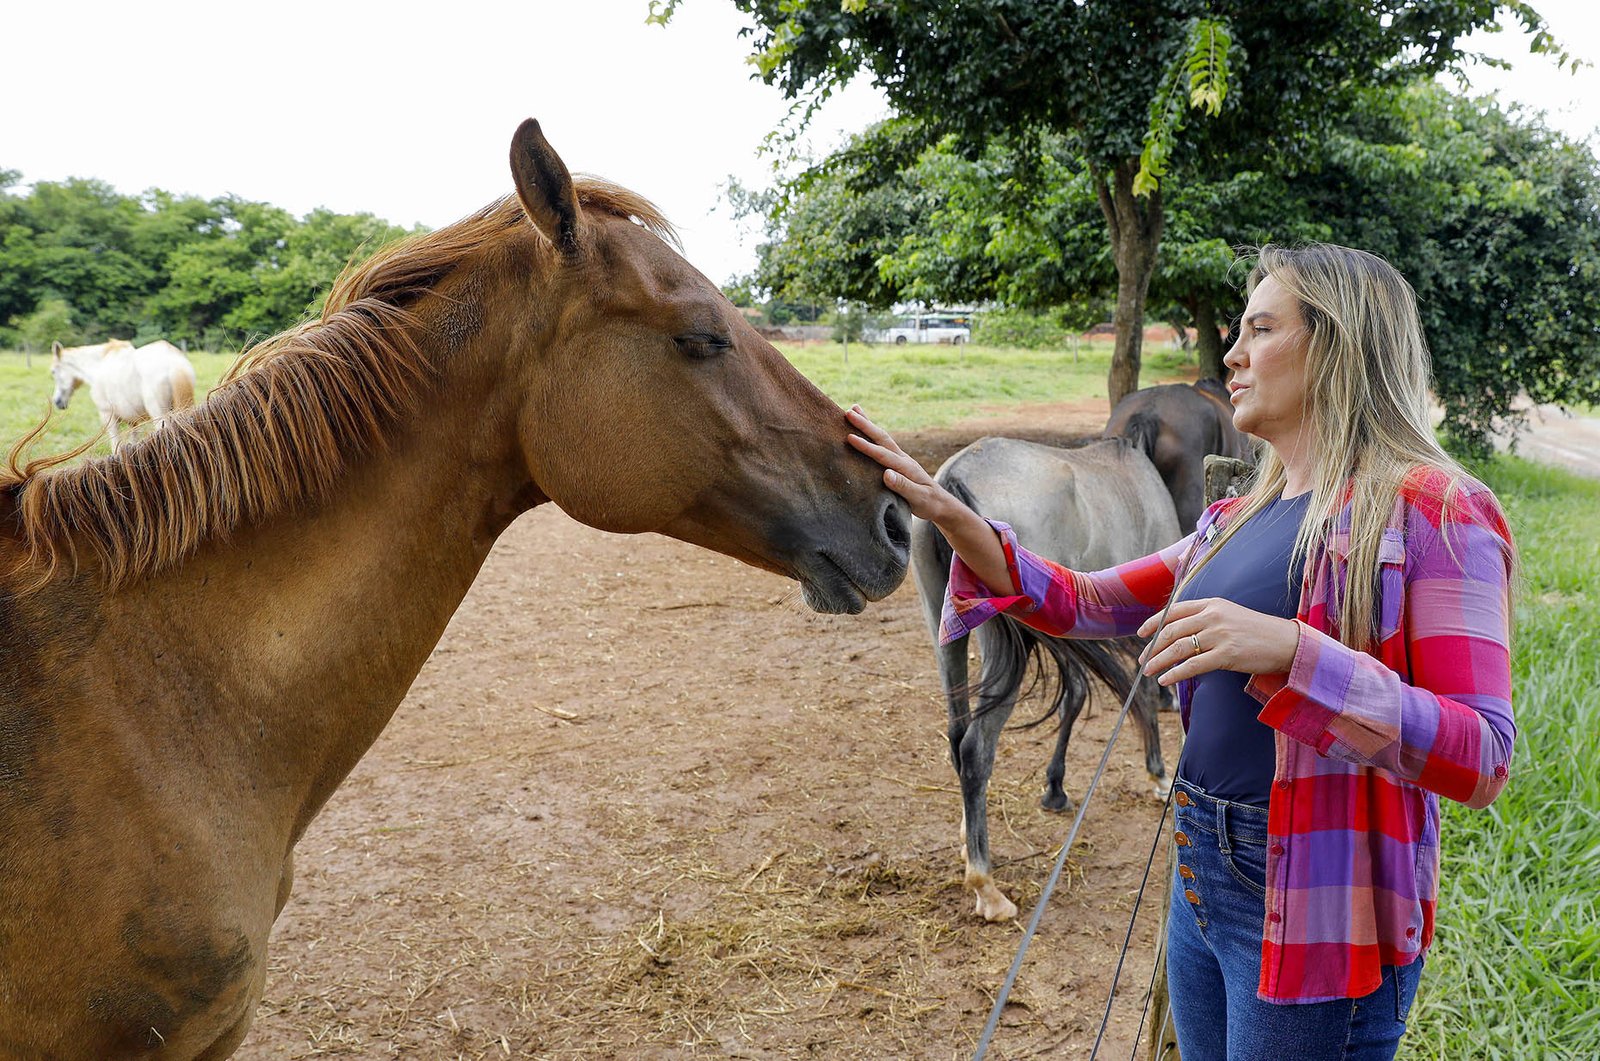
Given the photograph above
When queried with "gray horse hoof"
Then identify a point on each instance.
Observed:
(1056, 801)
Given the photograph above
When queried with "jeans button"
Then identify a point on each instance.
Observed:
(1182, 799)
(1182, 839)
(1191, 896)
(1185, 872)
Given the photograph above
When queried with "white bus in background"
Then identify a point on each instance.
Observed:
(935, 326)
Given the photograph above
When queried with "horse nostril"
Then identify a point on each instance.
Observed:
(895, 527)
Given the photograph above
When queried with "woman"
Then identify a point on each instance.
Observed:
(1339, 638)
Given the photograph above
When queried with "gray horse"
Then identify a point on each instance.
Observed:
(1088, 508)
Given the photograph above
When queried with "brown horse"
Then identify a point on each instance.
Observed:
(1176, 425)
(203, 633)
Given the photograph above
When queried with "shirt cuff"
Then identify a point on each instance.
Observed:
(1292, 703)
(969, 602)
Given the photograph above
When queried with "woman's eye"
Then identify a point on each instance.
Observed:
(1259, 330)
(701, 346)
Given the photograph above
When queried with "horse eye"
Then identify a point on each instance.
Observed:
(702, 345)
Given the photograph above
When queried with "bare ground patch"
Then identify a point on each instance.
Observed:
(691, 819)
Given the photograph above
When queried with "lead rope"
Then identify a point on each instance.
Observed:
(1061, 859)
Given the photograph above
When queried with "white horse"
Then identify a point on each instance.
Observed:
(128, 384)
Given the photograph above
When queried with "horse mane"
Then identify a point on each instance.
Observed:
(288, 419)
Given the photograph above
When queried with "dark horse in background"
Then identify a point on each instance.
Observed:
(1176, 425)
(1088, 507)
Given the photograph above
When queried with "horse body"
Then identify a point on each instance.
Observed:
(1176, 425)
(165, 742)
(1086, 508)
(128, 384)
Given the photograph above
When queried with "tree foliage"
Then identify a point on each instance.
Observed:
(1108, 75)
(216, 272)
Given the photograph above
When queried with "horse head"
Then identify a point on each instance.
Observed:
(66, 377)
(691, 424)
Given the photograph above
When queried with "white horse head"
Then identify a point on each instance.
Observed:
(65, 374)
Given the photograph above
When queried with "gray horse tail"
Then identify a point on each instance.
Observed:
(1018, 658)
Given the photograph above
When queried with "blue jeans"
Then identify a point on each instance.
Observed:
(1214, 954)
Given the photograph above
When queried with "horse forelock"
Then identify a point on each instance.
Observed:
(286, 421)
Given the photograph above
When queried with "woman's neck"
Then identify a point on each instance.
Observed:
(1297, 454)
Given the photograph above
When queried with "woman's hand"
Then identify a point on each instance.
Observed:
(901, 473)
(1215, 634)
(968, 533)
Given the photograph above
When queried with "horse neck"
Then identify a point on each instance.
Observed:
(315, 622)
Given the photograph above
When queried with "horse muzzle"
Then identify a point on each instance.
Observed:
(841, 578)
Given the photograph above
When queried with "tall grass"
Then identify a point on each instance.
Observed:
(1515, 971)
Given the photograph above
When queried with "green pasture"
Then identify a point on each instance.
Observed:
(25, 399)
(935, 385)
(1515, 971)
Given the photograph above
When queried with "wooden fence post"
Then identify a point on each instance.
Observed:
(1223, 478)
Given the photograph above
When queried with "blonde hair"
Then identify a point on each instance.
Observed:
(1366, 406)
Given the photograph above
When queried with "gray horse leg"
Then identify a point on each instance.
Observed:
(1147, 702)
(974, 765)
(1070, 698)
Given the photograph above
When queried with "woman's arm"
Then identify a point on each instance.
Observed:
(1452, 731)
(991, 573)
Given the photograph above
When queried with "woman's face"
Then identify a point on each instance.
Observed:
(1268, 388)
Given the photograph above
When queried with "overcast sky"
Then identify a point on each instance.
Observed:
(406, 110)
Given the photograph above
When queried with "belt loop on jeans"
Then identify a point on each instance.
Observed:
(1223, 843)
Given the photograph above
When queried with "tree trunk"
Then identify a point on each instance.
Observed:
(1210, 341)
(1135, 230)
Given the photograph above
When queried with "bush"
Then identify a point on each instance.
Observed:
(1031, 331)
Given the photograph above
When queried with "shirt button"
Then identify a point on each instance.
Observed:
(1276, 849)
(1410, 933)
(1274, 917)
(1283, 786)
(1500, 771)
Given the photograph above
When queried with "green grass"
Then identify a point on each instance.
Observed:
(933, 386)
(1515, 970)
(25, 399)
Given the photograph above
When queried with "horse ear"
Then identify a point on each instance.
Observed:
(545, 187)
(55, 350)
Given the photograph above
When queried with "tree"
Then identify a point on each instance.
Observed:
(1117, 77)
(50, 322)
(1495, 220)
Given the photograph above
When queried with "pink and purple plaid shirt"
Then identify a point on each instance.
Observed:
(1366, 743)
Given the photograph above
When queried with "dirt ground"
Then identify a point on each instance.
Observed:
(696, 820)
